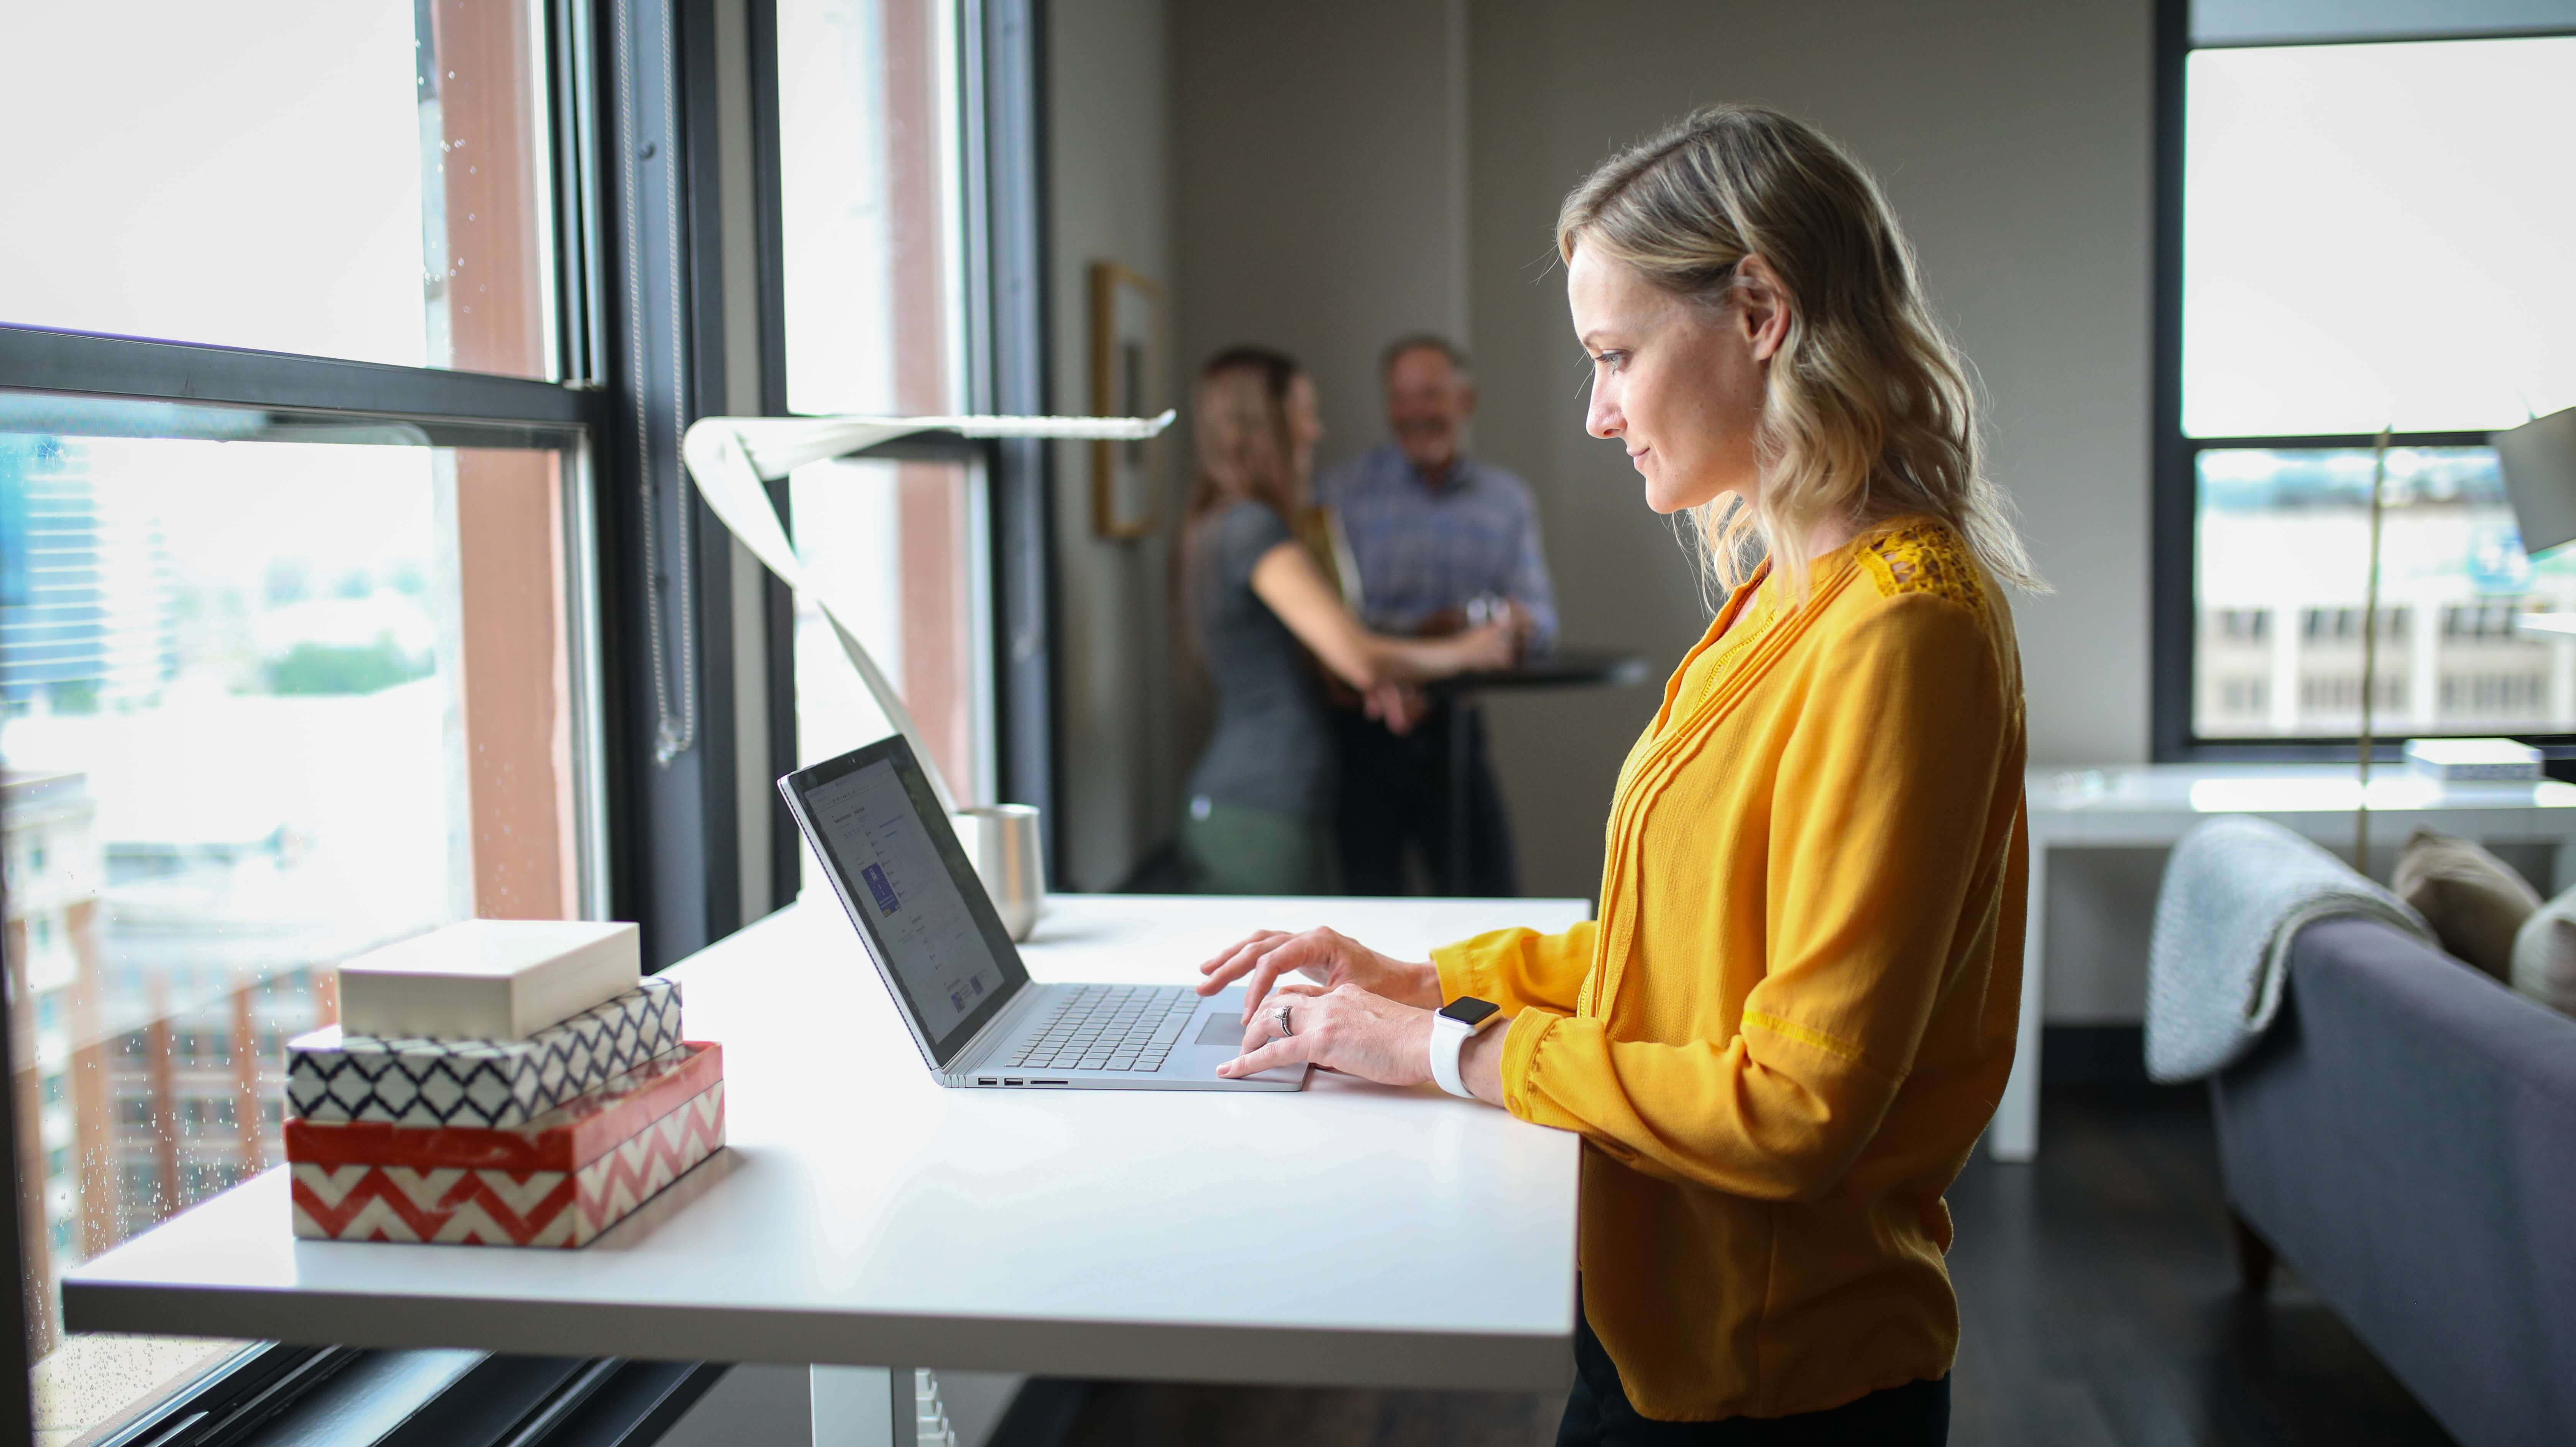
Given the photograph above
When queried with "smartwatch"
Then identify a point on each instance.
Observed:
(1451, 1024)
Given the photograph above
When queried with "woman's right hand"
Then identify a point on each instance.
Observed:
(1325, 956)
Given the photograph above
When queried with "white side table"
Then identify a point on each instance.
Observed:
(2154, 805)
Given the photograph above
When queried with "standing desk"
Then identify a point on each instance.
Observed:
(2154, 805)
(1348, 1234)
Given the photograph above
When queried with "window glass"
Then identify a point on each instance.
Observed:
(2378, 236)
(238, 729)
(869, 177)
(2283, 553)
(896, 546)
(347, 178)
(869, 199)
(2291, 22)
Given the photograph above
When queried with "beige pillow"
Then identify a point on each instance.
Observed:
(2473, 900)
(2544, 955)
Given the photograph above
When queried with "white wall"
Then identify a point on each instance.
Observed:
(1321, 163)
(1109, 139)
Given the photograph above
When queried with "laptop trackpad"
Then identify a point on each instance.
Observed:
(1221, 1029)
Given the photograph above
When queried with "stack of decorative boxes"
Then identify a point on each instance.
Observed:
(500, 1083)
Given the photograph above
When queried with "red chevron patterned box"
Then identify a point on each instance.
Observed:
(559, 1180)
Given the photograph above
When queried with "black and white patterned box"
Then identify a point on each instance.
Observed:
(489, 1083)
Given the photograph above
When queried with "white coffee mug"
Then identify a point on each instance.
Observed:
(1003, 843)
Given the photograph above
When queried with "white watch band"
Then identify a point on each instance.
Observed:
(1447, 1038)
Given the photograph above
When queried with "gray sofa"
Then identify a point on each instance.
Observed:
(2405, 1138)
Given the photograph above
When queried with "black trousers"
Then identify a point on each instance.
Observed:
(1395, 793)
(1598, 1415)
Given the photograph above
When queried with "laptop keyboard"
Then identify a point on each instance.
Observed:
(1110, 1027)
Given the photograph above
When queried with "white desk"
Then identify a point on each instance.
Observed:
(863, 1216)
(2155, 805)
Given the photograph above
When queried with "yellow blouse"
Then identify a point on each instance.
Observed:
(1796, 1011)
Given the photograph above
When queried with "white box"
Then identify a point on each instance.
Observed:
(488, 979)
(2460, 761)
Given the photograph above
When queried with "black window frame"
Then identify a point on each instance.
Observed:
(2176, 456)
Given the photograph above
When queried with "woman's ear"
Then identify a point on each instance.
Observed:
(1763, 307)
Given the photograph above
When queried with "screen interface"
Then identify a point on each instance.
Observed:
(892, 868)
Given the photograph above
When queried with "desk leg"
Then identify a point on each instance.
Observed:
(2014, 1133)
(1461, 738)
(859, 1407)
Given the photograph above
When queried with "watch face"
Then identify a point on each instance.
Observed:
(1469, 1011)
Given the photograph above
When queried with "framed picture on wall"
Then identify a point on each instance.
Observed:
(1129, 378)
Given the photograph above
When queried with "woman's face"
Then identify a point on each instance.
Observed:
(1305, 424)
(1678, 382)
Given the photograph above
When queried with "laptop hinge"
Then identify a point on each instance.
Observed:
(961, 1064)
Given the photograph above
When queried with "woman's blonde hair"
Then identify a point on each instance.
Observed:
(1239, 423)
(1868, 412)
(1247, 452)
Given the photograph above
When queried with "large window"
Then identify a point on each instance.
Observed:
(347, 178)
(263, 705)
(871, 185)
(2373, 235)
(349, 580)
(287, 679)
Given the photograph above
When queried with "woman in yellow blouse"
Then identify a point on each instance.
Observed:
(1796, 1011)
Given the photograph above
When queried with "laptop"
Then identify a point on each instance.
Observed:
(957, 980)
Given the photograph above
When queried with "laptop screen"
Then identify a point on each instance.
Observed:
(901, 874)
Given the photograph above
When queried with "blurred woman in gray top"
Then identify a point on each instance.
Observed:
(1251, 593)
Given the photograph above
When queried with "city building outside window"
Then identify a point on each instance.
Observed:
(2370, 238)
(289, 786)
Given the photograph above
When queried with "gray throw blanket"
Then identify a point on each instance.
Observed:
(2236, 892)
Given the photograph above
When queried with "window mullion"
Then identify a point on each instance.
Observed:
(1002, 47)
(129, 368)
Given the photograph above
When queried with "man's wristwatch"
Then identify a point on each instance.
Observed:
(1451, 1024)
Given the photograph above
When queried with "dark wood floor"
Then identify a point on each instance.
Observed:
(2099, 1305)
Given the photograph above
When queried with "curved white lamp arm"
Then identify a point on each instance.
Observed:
(728, 457)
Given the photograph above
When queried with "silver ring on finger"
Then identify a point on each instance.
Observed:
(1285, 1029)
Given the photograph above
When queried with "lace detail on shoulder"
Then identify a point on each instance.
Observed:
(1923, 558)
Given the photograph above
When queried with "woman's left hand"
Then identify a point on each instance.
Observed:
(1344, 1028)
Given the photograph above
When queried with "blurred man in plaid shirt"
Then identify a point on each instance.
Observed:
(1436, 536)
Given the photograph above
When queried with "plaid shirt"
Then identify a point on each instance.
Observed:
(1422, 549)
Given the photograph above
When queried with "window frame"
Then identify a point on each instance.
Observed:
(2174, 460)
